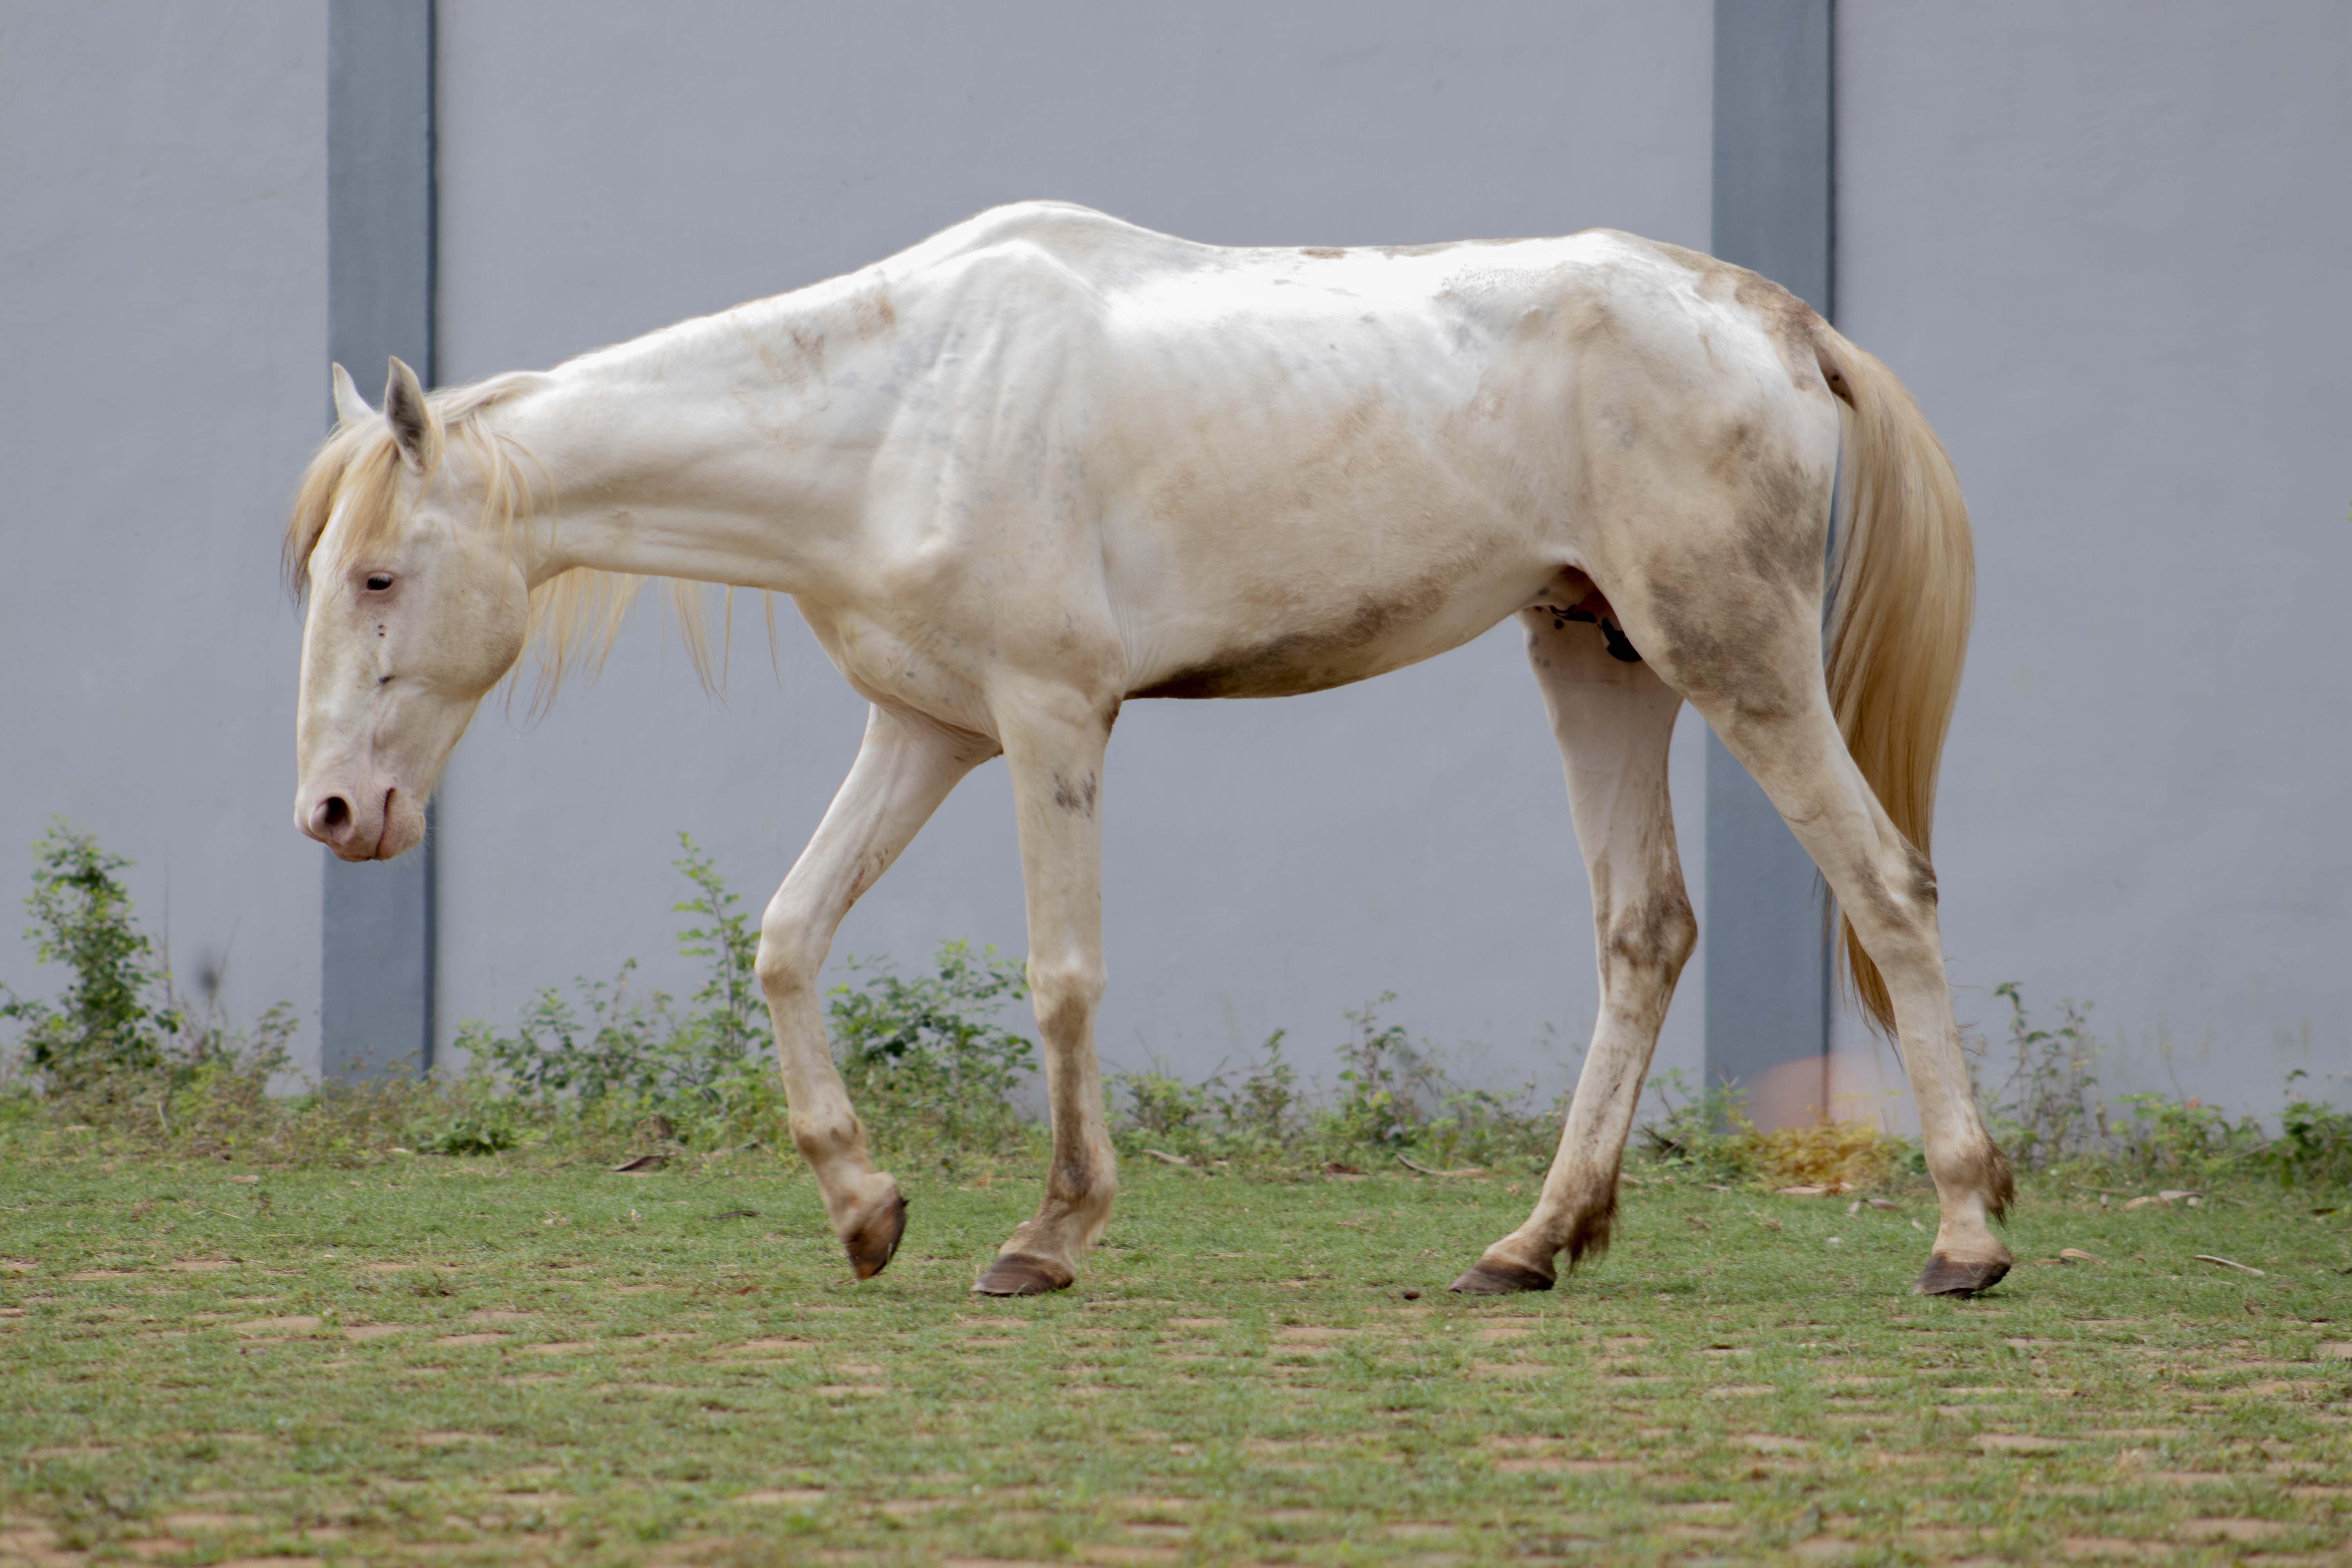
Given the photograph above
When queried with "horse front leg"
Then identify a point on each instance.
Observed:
(1054, 744)
(905, 768)
(1614, 722)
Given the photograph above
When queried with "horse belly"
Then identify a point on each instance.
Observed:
(1330, 628)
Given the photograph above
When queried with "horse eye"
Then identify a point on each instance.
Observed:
(378, 582)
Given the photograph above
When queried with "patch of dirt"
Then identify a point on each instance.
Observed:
(1553, 1464)
(499, 1315)
(2233, 1528)
(203, 1523)
(2016, 1443)
(300, 1324)
(1739, 1390)
(2112, 1546)
(472, 1338)
(204, 1265)
(360, 1333)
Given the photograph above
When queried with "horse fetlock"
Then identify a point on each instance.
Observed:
(1973, 1183)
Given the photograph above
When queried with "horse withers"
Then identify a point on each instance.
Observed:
(1047, 462)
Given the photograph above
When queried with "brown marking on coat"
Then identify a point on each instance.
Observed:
(1719, 635)
(1796, 329)
(1658, 935)
(1312, 658)
(871, 314)
(1323, 252)
(1078, 798)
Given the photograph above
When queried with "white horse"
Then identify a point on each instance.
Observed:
(1045, 462)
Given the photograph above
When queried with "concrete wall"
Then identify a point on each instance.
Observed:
(162, 322)
(2107, 248)
(1268, 864)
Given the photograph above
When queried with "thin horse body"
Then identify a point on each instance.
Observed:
(1047, 462)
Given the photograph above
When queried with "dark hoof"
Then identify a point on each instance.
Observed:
(1019, 1274)
(1951, 1276)
(871, 1249)
(1489, 1277)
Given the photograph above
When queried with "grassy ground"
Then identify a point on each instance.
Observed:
(467, 1361)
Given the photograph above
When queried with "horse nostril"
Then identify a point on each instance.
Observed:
(334, 812)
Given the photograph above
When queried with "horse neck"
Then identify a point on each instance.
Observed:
(731, 449)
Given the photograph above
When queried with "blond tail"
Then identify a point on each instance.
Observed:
(1902, 592)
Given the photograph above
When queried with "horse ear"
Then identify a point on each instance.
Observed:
(412, 422)
(349, 403)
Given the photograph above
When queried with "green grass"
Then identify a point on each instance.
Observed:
(491, 1361)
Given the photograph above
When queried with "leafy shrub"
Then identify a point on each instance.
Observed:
(2314, 1144)
(115, 1015)
(614, 1063)
(1702, 1130)
(1392, 1098)
(925, 1061)
(120, 1031)
(2049, 1108)
(2184, 1138)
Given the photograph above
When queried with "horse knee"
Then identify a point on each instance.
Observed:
(1650, 940)
(793, 944)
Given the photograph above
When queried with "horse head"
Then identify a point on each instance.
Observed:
(418, 604)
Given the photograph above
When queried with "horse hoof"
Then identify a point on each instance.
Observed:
(1952, 1277)
(1489, 1277)
(1019, 1274)
(876, 1241)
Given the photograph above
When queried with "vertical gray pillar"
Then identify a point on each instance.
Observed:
(1767, 957)
(376, 983)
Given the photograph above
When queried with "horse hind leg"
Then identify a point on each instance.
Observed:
(1765, 694)
(1614, 722)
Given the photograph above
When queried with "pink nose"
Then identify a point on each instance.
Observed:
(337, 821)
(331, 820)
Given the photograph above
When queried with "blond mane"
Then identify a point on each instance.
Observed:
(354, 480)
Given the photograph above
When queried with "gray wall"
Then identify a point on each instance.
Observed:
(2106, 245)
(2109, 249)
(162, 324)
(1268, 863)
